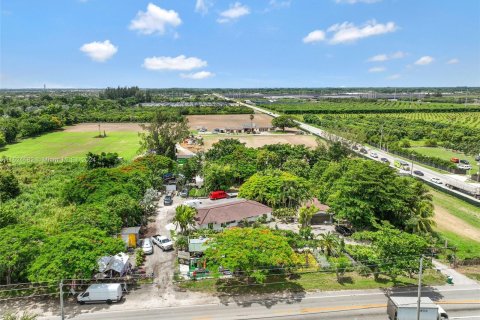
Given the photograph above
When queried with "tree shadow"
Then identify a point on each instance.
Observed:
(277, 290)
(411, 291)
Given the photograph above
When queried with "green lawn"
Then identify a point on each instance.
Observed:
(457, 207)
(73, 144)
(446, 154)
(308, 282)
(466, 248)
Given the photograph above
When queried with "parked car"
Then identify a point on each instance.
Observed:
(168, 200)
(385, 160)
(436, 180)
(184, 193)
(463, 161)
(162, 242)
(219, 194)
(374, 155)
(202, 130)
(101, 292)
(344, 231)
(455, 160)
(477, 158)
(464, 166)
(147, 246)
(418, 173)
(354, 147)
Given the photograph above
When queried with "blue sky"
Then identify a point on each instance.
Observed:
(248, 43)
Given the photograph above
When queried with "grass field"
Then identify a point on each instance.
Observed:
(63, 144)
(446, 154)
(324, 281)
(461, 235)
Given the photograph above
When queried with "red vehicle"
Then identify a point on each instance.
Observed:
(219, 194)
(455, 160)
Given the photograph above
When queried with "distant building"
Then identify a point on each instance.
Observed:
(230, 212)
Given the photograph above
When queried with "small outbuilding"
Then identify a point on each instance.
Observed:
(114, 266)
(322, 216)
(130, 236)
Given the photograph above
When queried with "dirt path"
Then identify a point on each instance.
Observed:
(448, 222)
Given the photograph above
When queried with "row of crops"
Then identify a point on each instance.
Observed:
(358, 106)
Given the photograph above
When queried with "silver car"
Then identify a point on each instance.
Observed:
(147, 246)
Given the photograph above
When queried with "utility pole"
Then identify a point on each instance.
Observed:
(419, 287)
(62, 314)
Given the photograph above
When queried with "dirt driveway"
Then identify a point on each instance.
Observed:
(448, 222)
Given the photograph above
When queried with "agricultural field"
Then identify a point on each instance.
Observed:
(464, 119)
(211, 122)
(356, 106)
(443, 153)
(256, 141)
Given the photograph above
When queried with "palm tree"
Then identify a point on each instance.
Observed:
(305, 215)
(421, 209)
(251, 121)
(184, 217)
(329, 243)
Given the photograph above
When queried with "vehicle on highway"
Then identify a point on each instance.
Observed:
(363, 150)
(405, 308)
(101, 292)
(403, 165)
(184, 193)
(374, 155)
(146, 245)
(418, 173)
(344, 231)
(216, 195)
(436, 180)
(472, 189)
(385, 160)
(163, 242)
(354, 148)
(477, 158)
(168, 200)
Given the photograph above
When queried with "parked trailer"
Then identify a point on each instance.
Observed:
(468, 188)
(405, 308)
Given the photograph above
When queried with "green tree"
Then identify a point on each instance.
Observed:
(329, 243)
(297, 167)
(19, 246)
(305, 214)
(73, 255)
(419, 208)
(102, 160)
(284, 214)
(127, 209)
(276, 189)
(184, 218)
(283, 122)
(163, 133)
(3, 142)
(267, 160)
(337, 151)
(249, 251)
(9, 186)
(218, 177)
(223, 148)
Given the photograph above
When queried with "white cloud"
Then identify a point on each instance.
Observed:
(423, 61)
(357, 1)
(173, 63)
(385, 57)
(99, 51)
(197, 75)
(394, 76)
(202, 6)
(314, 36)
(347, 32)
(376, 69)
(235, 11)
(453, 61)
(155, 20)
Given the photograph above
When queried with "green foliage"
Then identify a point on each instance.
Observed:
(19, 246)
(15, 316)
(305, 214)
(431, 143)
(154, 167)
(184, 217)
(298, 167)
(162, 134)
(72, 255)
(9, 186)
(139, 257)
(196, 193)
(251, 252)
(92, 216)
(285, 214)
(330, 244)
(276, 189)
(283, 122)
(127, 209)
(218, 177)
(103, 160)
(223, 148)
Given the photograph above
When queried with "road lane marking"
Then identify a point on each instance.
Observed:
(343, 308)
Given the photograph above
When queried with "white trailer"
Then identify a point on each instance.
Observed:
(472, 189)
(101, 292)
(405, 308)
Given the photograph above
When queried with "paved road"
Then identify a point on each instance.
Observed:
(459, 302)
(428, 173)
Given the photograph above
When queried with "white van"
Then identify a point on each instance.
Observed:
(101, 292)
(195, 203)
